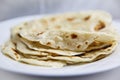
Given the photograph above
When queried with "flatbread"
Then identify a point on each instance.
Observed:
(52, 31)
(90, 21)
(35, 48)
(89, 56)
(86, 20)
(9, 50)
(63, 39)
(84, 58)
(74, 40)
(49, 63)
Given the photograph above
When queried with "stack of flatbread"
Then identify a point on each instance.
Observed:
(63, 39)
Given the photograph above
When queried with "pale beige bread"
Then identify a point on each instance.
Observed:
(33, 29)
(88, 56)
(84, 58)
(112, 31)
(58, 61)
(9, 50)
(86, 21)
(63, 39)
(41, 51)
(91, 21)
(24, 50)
(49, 63)
(36, 48)
(99, 41)
(74, 40)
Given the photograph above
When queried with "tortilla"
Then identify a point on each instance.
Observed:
(73, 40)
(49, 63)
(96, 22)
(63, 39)
(9, 50)
(86, 21)
(86, 57)
(35, 48)
(51, 30)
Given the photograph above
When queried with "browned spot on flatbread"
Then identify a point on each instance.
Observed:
(58, 27)
(70, 19)
(66, 36)
(73, 36)
(19, 35)
(96, 43)
(100, 26)
(53, 19)
(16, 53)
(14, 43)
(78, 46)
(58, 47)
(48, 43)
(44, 22)
(14, 50)
(52, 54)
(86, 43)
(87, 18)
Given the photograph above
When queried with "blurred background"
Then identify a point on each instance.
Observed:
(16, 8)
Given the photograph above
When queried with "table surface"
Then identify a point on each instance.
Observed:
(109, 75)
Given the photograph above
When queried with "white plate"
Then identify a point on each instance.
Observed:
(6, 63)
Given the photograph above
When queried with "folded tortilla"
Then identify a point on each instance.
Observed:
(59, 61)
(9, 49)
(74, 41)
